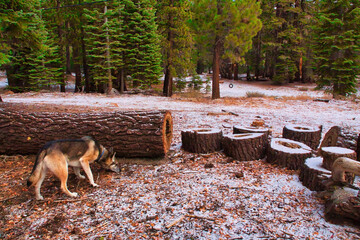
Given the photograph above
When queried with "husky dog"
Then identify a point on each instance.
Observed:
(57, 155)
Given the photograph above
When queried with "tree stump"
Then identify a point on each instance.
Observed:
(331, 137)
(330, 154)
(246, 146)
(242, 129)
(309, 135)
(201, 140)
(313, 175)
(131, 134)
(288, 153)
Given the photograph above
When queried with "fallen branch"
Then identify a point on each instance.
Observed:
(69, 200)
(201, 217)
(9, 198)
(175, 222)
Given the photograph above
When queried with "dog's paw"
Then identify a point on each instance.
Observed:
(81, 176)
(39, 197)
(74, 194)
(95, 185)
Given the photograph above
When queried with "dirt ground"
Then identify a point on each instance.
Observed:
(185, 195)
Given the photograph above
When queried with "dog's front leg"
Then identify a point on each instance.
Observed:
(85, 165)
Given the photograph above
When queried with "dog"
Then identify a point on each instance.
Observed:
(57, 155)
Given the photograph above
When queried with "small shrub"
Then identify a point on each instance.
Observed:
(255, 94)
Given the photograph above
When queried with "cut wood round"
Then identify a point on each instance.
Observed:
(312, 174)
(288, 153)
(331, 137)
(201, 140)
(330, 154)
(131, 133)
(309, 135)
(245, 146)
(243, 129)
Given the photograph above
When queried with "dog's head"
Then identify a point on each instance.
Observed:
(108, 160)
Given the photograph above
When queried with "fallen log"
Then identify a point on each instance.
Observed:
(287, 153)
(201, 140)
(309, 135)
(245, 146)
(330, 154)
(131, 133)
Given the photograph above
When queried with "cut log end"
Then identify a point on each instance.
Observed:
(288, 153)
(201, 140)
(167, 131)
(313, 175)
(309, 135)
(330, 154)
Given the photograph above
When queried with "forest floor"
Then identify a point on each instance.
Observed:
(184, 197)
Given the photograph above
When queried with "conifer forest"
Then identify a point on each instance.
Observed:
(125, 44)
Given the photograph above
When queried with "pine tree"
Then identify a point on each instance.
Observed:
(229, 26)
(337, 45)
(141, 51)
(177, 40)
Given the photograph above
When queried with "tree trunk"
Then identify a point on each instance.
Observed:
(108, 57)
(313, 175)
(77, 69)
(24, 130)
(216, 69)
(84, 60)
(330, 154)
(309, 135)
(168, 80)
(236, 71)
(357, 147)
(288, 153)
(246, 146)
(61, 52)
(201, 140)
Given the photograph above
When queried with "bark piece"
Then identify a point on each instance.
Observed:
(201, 140)
(288, 153)
(131, 134)
(330, 154)
(245, 146)
(243, 129)
(313, 175)
(343, 203)
(309, 135)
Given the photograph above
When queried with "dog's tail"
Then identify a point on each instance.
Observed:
(35, 173)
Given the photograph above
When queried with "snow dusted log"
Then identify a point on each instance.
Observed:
(331, 137)
(312, 174)
(201, 140)
(242, 129)
(288, 153)
(131, 134)
(245, 146)
(330, 154)
(309, 135)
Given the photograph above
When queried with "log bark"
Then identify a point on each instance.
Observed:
(243, 129)
(201, 140)
(288, 153)
(313, 175)
(246, 146)
(330, 154)
(309, 135)
(131, 134)
(342, 203)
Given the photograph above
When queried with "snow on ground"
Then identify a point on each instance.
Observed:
(183, 200)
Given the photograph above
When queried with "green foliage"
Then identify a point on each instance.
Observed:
(337, 45)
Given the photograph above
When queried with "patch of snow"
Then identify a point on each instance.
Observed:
(338, 150)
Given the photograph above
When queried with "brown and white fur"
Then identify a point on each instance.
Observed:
(58, 155)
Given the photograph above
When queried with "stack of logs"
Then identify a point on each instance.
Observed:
(297, 150)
